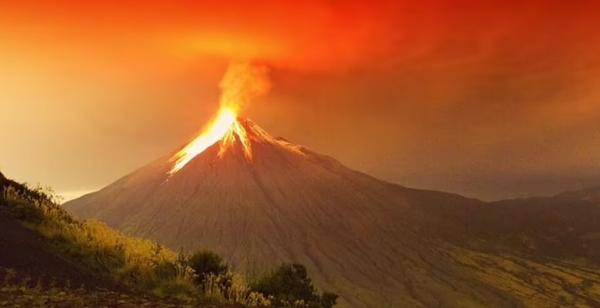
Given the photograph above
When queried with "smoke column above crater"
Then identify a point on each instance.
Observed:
(242, 82)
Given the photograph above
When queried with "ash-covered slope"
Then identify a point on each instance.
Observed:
(376, 244)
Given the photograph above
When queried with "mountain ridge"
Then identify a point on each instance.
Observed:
(375, 243)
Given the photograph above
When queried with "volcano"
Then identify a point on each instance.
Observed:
(260, 200)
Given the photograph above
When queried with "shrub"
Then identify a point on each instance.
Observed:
(219, 285)
(290, 285)
(232, 288)
(207, 263)
(165, 270)
(328, 299)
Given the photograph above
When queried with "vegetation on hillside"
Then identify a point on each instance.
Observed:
(143, 266)
(290, 285)
(20, 290)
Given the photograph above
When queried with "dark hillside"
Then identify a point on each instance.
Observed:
(560, 227)
(49, 259)
(27, 252)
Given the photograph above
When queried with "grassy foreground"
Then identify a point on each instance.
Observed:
(118, 270)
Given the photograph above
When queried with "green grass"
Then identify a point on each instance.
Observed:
(537, 283)
(18, 290)
(151, 271)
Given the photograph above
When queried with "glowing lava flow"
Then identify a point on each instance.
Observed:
(224, 128)
(236, 130)
(241, 82)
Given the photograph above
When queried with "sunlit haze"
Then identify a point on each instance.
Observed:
(488, 99)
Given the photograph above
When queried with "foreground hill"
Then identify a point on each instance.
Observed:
(49, 259)
(26, 251)
(376, 244)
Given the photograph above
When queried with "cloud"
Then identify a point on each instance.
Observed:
(308, 35)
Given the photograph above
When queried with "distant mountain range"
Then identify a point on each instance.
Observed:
(377, 244)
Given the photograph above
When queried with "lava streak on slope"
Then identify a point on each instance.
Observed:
(241, 83)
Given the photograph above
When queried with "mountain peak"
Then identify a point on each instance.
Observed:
(258, 134)
(289, 204)
(254, 132)
(230, 134)
(245, 135)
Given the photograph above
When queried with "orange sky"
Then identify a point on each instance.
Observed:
(490, 100)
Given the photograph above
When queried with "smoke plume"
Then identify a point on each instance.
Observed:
(242, 82)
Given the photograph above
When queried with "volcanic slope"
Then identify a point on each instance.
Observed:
(374, 243)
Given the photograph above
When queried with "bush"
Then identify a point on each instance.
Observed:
(289, 285)
(328, 299)
(207, 263)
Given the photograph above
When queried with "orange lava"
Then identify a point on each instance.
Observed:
(224, 128)
(241, 83)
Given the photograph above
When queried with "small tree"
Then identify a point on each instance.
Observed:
(328, 299)
(207, 263)
(290, 284)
